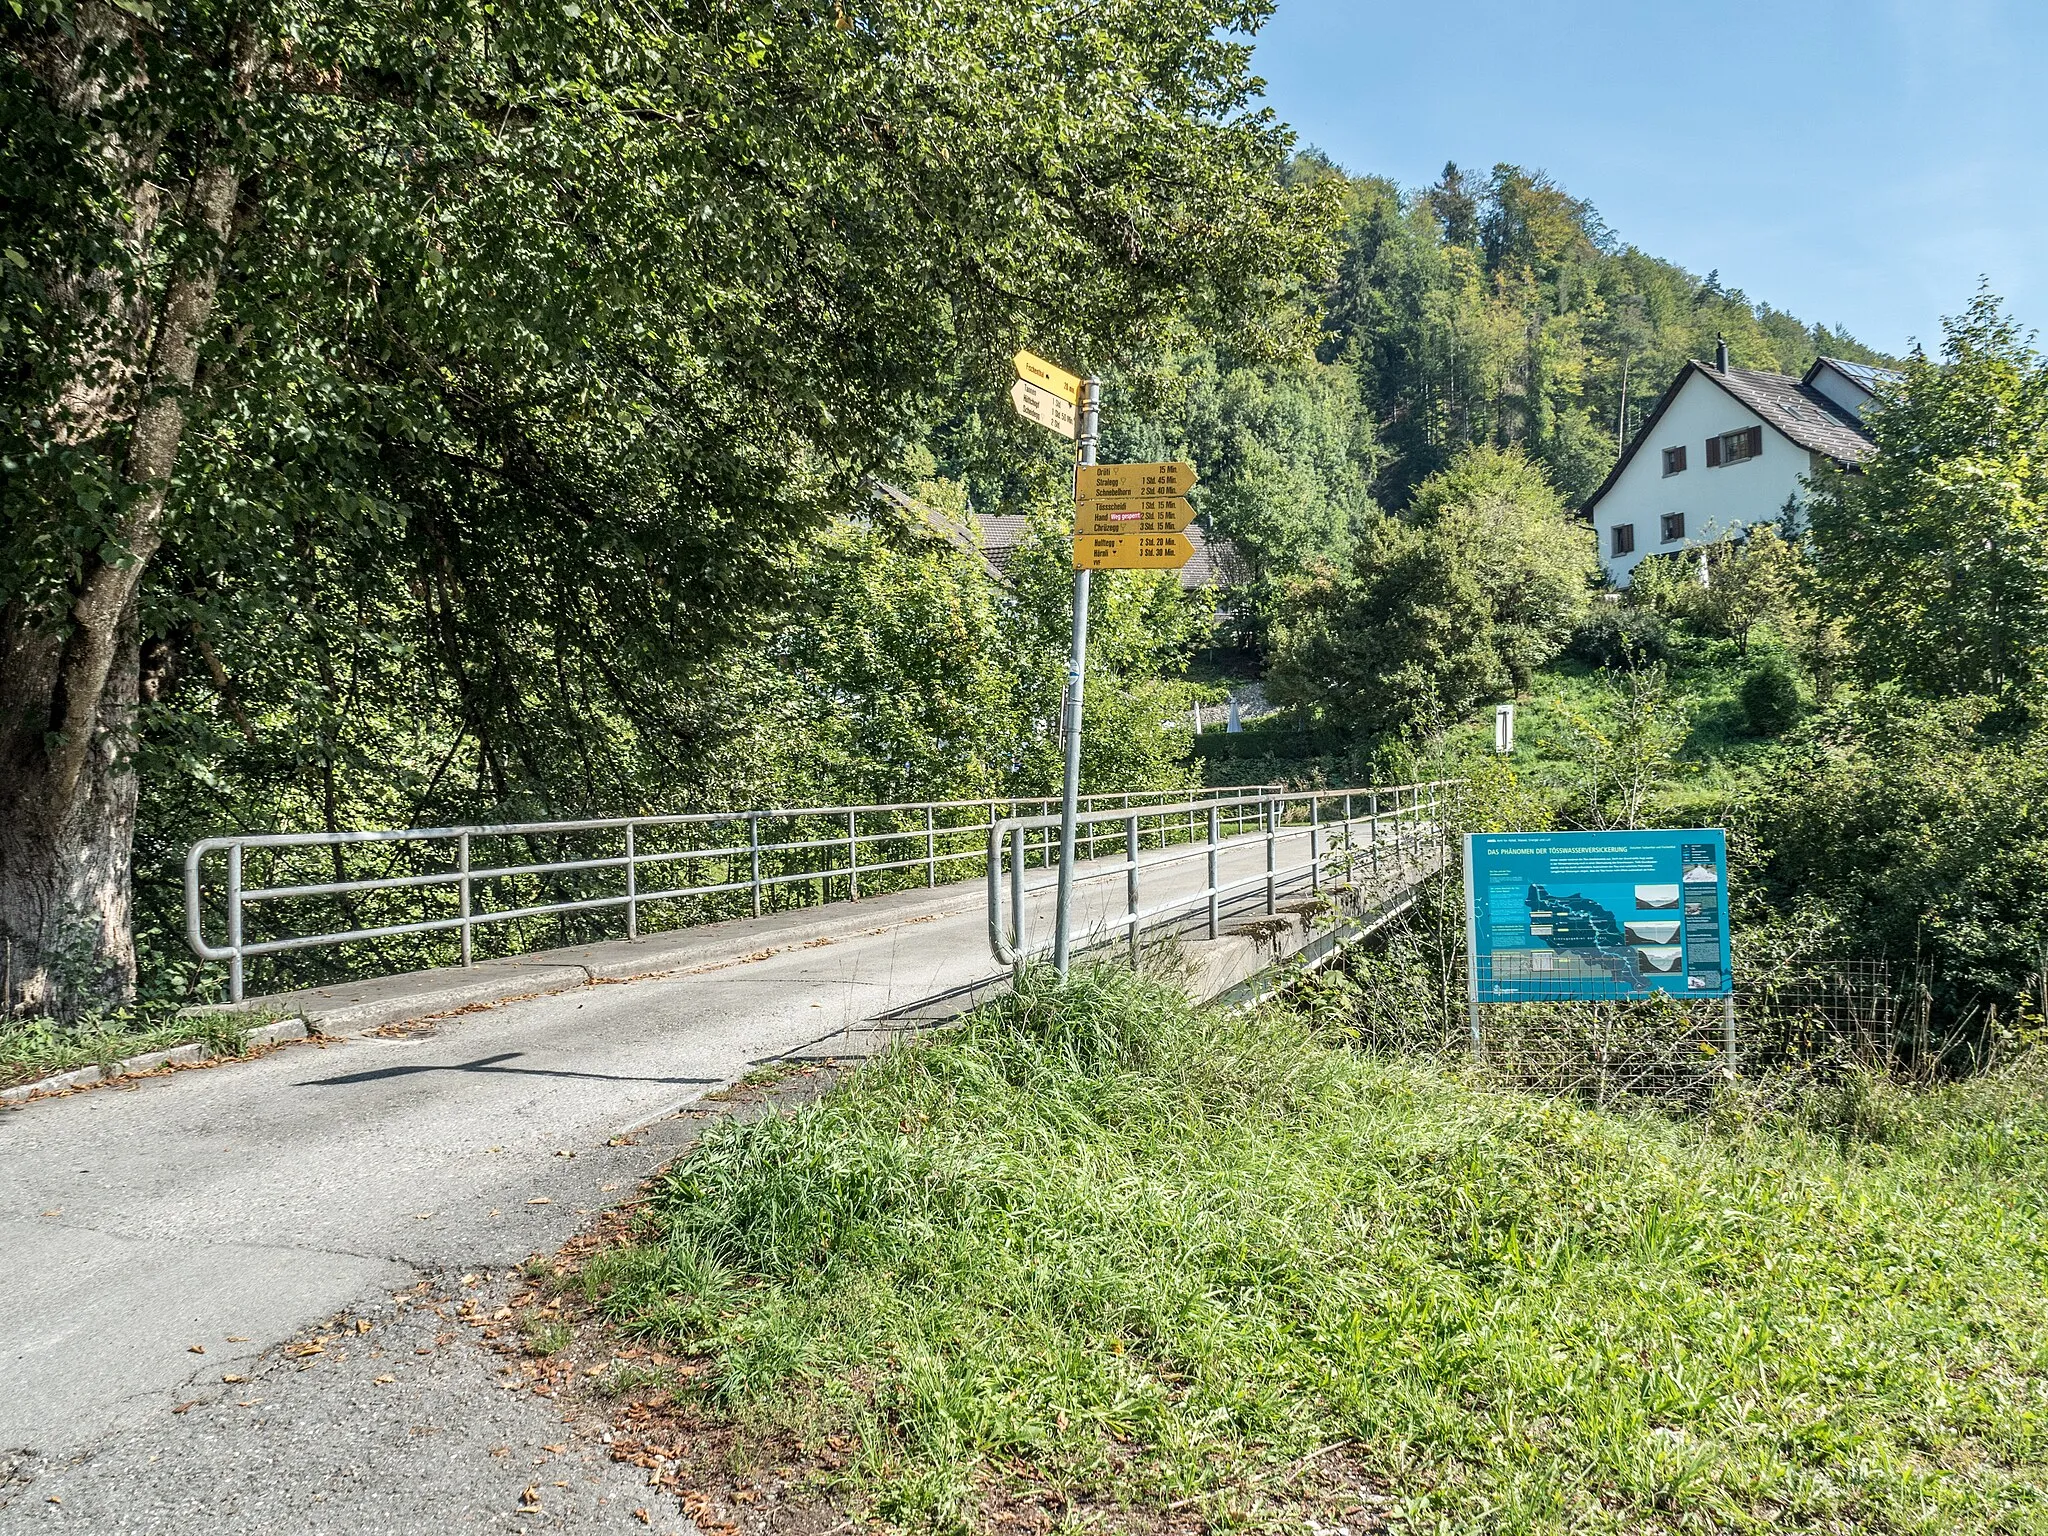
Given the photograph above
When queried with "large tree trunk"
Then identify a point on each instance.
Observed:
(68, 687)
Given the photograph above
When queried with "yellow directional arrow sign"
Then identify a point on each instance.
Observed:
(1033, 369)
(1132, 552)
(1045, 408)
(1133, 514)
(1097, 482)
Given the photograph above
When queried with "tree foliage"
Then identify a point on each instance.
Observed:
(1399, 641)
(1935, 554)
(506, 356)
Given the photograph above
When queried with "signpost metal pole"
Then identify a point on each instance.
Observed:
(1091, 420)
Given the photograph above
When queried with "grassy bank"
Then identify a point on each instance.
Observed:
(1097, 1255)
(37, 1048)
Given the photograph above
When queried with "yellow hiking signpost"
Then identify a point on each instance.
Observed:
(1133, 514)
(1132, 551)
(1127, 517)
(1036, 371)
(1095, 482)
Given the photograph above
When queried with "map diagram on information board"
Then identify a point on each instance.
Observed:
(1558, 915)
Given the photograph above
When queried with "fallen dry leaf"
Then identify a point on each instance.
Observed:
(555, 1450)
(236, 1338)
(381, 1380)
(197, 1349)
(362, 1325)
(540, 1200)
(185, 1407)
(532, 1494)
(234, 1378)
(643, 1517)
(470, 1279)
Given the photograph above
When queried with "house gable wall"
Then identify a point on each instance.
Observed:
(1840, 388)
(1715, 502)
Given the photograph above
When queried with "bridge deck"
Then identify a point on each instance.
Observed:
(253, 1200)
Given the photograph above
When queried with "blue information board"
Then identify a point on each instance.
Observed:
(1556, 915)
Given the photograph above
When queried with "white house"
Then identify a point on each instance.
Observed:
(1724, 450)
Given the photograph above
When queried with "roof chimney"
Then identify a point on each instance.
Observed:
(1721, 353)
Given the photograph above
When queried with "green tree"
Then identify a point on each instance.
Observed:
(532, 338)
(1398, 643)
(1532, 560)
(1935, 553)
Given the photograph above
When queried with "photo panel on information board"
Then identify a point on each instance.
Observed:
(1562, 915)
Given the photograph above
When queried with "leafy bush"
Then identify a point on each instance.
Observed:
(1920, 835)
(1771, 703)
(1621, 638)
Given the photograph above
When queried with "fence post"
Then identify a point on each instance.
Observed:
(754, 853)
(632, 886)
(1728, 1032)
(235, 922)
(1131, 877)
(1213, 837)
(931, 847)
(462, 864)
(852, 856)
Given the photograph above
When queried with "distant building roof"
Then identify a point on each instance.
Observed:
(945, 526)
(1215, 562)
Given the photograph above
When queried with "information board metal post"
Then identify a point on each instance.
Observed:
(1728, 1032)
(1472, 952)
(1077, 664)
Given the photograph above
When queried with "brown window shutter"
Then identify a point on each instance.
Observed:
(1756, 442)
(1713, 453)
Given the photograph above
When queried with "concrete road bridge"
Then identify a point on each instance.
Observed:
(560, 998)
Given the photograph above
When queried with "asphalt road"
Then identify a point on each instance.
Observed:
(230, 1209)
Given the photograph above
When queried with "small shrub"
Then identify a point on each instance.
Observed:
(1771, 703)
(547, 1336)
(1621, 638)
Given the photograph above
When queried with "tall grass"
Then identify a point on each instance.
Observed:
(1099, 1243)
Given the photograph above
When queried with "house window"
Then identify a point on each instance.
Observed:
(1673, 527)
(1624, 539)
(1674, 460)
(1734, 447)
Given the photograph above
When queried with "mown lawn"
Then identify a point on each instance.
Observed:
(1177, 1265)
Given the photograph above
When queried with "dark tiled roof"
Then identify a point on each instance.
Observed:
(1215, 561)
(1867, 375)
(935, 521)
(1802, 413)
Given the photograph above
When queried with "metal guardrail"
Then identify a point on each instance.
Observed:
(1398, 821)
(750, 851)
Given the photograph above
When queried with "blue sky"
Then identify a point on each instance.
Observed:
(1857, 164)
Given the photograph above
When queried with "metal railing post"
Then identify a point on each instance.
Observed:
(754, 855)
(462, 864)
(931, 847)
(1131, 877)
(1018, 843)
(1272, 818)
(1214, 837)
(632, 885)
(852, 857)
(1315, 858)
(1350, 854)
(1375, 837)
(235, 922)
